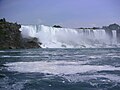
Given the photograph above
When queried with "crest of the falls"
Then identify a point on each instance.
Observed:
(51, 37)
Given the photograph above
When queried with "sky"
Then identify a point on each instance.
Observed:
(67, 13)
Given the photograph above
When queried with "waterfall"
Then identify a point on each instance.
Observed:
(51, 37)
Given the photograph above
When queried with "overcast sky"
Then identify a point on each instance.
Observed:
(68, 13)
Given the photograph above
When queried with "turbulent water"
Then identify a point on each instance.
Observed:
(60, 69)
(51, 37)
(95, 67)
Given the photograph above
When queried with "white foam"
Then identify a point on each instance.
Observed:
(57, 67)
(94, 57)
(82, 78)
(7, 56)
(28, 31)
(2, 51)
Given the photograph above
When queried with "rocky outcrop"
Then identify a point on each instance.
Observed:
(57, 26)
(10, 37)
(30, 43)
(111, 27)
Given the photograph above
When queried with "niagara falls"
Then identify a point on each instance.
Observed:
(59, 45)
(52, 37)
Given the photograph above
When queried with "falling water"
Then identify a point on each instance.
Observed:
(51, 37)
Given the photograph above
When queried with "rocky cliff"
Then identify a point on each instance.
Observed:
(10, 37)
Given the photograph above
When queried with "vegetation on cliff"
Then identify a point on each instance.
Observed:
(10, 37)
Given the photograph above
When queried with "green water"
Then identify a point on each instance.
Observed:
(60, 69)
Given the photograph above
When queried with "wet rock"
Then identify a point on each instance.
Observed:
(30, 43)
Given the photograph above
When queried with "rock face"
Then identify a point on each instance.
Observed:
(10, 37)
(111, 27)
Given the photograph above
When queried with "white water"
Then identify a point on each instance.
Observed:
(68, 70)
(58, 67)
(69, 38)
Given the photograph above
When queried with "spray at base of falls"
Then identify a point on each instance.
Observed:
(51, 37)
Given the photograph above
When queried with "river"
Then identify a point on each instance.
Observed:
(60, 69)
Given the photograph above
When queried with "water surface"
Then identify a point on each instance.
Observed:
(60, 69)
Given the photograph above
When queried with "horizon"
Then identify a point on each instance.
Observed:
(72, 14)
